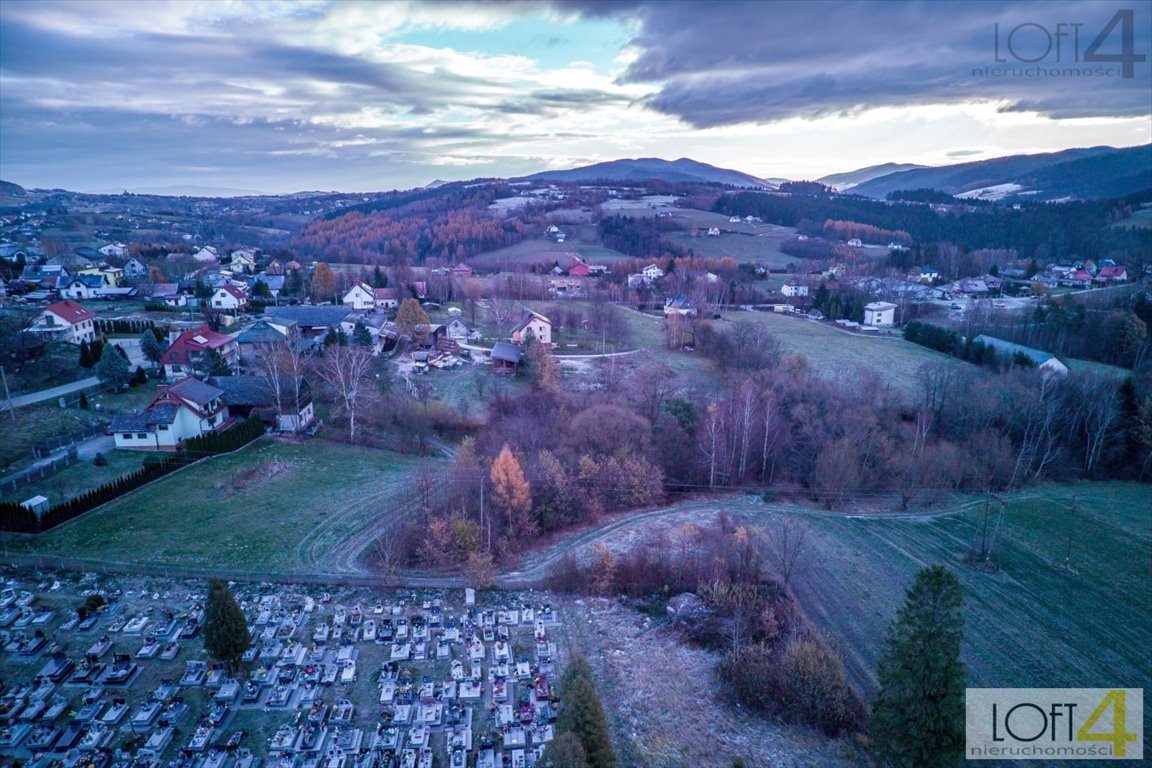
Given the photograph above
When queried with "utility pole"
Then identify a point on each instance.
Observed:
(8, 395)
(1071, 524)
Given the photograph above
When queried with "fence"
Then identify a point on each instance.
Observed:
(27, 477)
(380, 581)
(66, 441)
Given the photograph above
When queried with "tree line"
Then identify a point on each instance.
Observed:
(16, 518)
(1042, 231)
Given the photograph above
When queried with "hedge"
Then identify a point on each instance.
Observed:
(17, 519)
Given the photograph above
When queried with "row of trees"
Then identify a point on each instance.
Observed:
(1042, 231)
(582, 738)
(16, 518)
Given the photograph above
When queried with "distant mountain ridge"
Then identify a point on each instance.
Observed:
(646, 168)
(844, 181)
(1084, 173)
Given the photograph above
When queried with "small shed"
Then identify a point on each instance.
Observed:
(505, 356)
(38, 504)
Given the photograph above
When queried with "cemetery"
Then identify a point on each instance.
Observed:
(106, 671)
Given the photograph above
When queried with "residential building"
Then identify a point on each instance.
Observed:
(793, 288)
(65, 321)
(81, 286)
(679, 305)
(288, 410)
(189, 408)
(539, 326)
(880, 314)
(187, 351)
(360, 296)
(230, 297)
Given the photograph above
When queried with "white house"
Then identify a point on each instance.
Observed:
(540, 326)
(792, 288)
(360, 296)
(134, 269)
(652, 272)
(457, 330)
(386, 298)
(207, 255)
(114, 250)
(880, 314)
(243, 260)
(679, 305)
(65, 321)
(856, 243)
(229, 297)
(189, 408)
(79, 286)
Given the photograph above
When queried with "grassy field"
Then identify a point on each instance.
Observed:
(1033, 623)
(835, 353)
(584, 241)
(272, 506)
(79, 477)
(756, 243)
(37, 423)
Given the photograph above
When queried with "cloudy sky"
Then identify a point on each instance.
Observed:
(287, 95)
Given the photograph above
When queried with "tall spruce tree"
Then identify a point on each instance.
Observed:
(918, 714)
(565, 751)
(225, 628)
(113, 368)
(152, 347)
(582, 715)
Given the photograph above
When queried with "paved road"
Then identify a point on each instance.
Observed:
(51, 394)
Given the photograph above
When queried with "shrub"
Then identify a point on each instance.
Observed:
(99, 460)
(803, 681)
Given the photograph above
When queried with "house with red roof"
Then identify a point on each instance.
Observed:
(65, 321)
(189, 408)
(188, 351)
(1111, 275)
(230, 297)
(579, 269)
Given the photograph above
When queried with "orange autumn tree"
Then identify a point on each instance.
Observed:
(513, 493)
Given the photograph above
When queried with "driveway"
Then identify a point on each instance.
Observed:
(51, 394)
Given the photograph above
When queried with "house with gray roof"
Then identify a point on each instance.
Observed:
(286, 406)
(189, 408)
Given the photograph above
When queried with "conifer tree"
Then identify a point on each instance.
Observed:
(582, 715)
(360, 335)
(86, 360)
(918, 714)
(113, 368)
(225, 628)
(565, 751)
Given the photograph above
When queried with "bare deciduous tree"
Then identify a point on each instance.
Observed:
(787, 540)
(345, 370)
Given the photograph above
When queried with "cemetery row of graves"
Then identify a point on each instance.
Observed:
(103, 672)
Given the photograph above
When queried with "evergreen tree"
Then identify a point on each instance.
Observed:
(212, 363)
(582, 715)
(379, 279)
(565, 751)
(86, 360)
(330, 338)
(113, 368)
(152, 346)
(918, 714)
(360, 335)
(139, 376)
(225, 628)
(83, 401)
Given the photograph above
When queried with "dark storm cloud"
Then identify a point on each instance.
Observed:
(720, 63)
(207, 67)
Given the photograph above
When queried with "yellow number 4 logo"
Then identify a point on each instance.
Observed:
(1118, 735)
